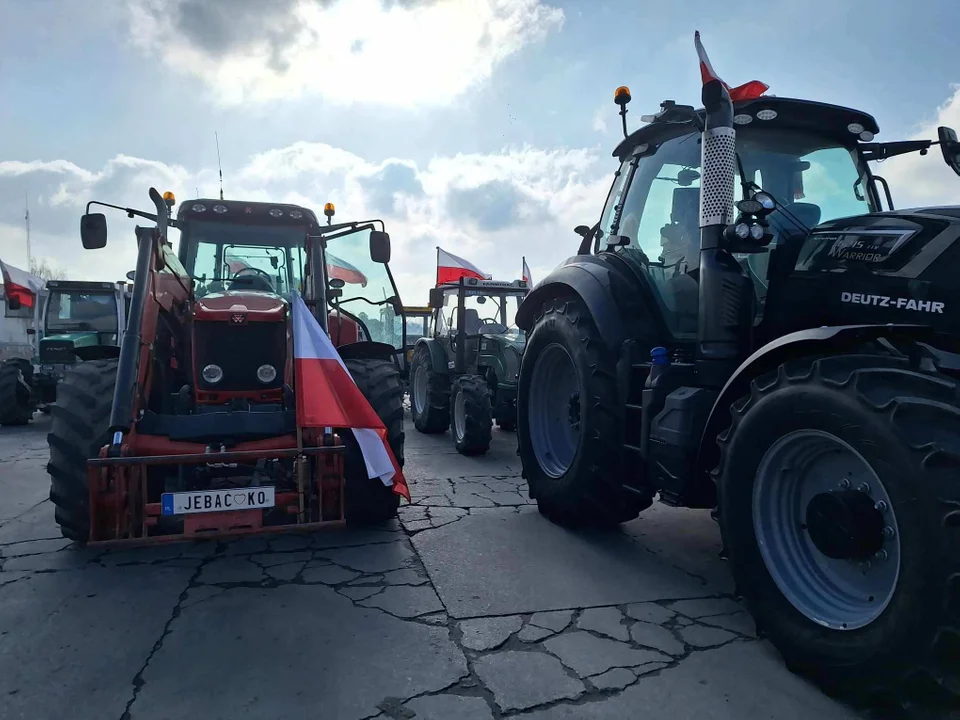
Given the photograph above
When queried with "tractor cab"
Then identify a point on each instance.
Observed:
(81, 317)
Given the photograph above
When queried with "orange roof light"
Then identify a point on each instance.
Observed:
(329, 210)
(621, 95)
(169, 198)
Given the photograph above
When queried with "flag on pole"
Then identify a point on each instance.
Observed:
(527, 276)
(451, 268)
(338, 269)
(748, 91)
(20, 284)
(327, 396)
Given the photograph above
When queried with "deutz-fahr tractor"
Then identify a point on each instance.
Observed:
(469, 367)
(80, 321)
(193, 430)
(789, 361)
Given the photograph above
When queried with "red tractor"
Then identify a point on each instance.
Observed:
(191, 428)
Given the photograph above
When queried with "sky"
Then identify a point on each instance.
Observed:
(483, 126)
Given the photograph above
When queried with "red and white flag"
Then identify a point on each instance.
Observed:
(451, 268)
(327, 396)
(20, 284)
(527, 276)
(748, 91)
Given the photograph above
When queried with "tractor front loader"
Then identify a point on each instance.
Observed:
(193, 431)
(790, 361)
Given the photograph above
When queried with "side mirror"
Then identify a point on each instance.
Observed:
(436, 297)
(131, 276)
(581, 230)
(336, 288)
(379, 246)
(93, 231)
(950, 147)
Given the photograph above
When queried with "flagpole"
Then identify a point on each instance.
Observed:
(437, 282)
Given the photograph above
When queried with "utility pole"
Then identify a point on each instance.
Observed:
(26, 219)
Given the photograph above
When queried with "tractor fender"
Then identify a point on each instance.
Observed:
(97, 352)
(592, 281)
(438, 355)
(821, 340)
(367, 350)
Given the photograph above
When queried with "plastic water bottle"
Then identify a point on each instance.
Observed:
(659, 363)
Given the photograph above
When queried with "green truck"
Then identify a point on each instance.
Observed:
(80, 321)
(466, 369)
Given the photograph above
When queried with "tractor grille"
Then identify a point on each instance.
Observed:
(56, 352)
(511, 359)
(239, 350)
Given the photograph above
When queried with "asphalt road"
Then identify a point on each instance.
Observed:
(471, 607)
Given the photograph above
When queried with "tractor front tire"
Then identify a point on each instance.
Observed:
(839, 507)
(79, 428)
(569, 421)
(368, 501)
(472, 415)
(429, 394)
(16, 406)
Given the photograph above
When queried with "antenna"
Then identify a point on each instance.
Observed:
(26, 219)
(219, 166)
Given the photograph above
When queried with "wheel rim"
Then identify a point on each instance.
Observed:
(459, 415)
(554, 410)
(419, 389)
(826, 529)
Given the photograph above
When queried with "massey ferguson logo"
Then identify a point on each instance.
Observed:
(238, 318)
(893, 302)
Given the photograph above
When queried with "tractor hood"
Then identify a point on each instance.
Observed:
(60, 348)
(254, 305)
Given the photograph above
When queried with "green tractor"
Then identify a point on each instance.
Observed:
(80, 321)
(469, 364)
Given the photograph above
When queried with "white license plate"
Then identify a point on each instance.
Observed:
(204, 501)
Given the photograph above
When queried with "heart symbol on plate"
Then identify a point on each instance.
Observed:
(240, 498)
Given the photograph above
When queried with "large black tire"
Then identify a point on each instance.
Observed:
(473, 436)
(368, 501)
(433, 417)
(16, 406)
(588, 491)
(79, 428)
(905, 424)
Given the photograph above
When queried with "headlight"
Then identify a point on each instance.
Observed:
(212, 374)
(266, 374)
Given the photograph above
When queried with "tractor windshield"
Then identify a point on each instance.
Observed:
(368, 286)
(74, 311)
(225, 256)
(485, 313)
(655, 202)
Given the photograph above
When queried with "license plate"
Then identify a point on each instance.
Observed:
(203, 501)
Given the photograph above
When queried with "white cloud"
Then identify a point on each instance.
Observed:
(403, 53)
(491, 209)
(917, 180)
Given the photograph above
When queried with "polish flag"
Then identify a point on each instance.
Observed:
(338, 269)
(327, 396)
(527, 276)
(20, 284)
(748, 91)
(451, 268)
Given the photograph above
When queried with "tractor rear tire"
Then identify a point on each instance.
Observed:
(16, 407)
(79, 428)
(368, 501)
(582, 488)
(432, 417)
(472, 415)
(902, 643)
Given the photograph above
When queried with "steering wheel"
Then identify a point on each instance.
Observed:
(266, 276)
(487, 322)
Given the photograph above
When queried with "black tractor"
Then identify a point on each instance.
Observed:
(789, 360)
(469, 365)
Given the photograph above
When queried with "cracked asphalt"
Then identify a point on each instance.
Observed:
(471, 607)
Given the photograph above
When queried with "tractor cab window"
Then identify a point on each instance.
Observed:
(368, 285)
(76, 311)
(812, 177)
(487, 314)
(224, 256)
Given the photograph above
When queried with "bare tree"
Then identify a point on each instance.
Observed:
(41, 268)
